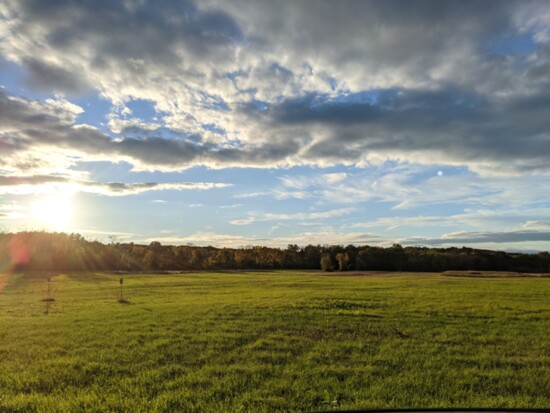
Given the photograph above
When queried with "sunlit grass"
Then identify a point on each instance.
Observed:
(287, 341)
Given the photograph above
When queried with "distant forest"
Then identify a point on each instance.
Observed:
(43, 251)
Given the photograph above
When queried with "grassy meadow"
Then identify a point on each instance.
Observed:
(272, 341)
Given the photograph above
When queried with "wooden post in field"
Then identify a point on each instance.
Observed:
(121, 282)
(49, 288)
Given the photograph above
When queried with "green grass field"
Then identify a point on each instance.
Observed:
(273, 341)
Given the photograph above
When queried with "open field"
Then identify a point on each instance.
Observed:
(273, 341)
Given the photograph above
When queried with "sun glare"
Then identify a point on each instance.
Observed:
(53, 213)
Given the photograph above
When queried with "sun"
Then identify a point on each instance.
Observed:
(53, 213)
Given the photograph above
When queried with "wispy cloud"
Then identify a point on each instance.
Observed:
(528, 218)
(245, 221)
(308, 215)
(251, 195)
(334, 178)
(238, 241)
(465, 238)
(407, 186)
(298, 216)
(45, 184)
(13, 211)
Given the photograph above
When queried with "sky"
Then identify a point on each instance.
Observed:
(234, 123)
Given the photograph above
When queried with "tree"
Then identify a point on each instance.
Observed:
(196, 260)
(151, 259)
(343, 261)
(326, 263)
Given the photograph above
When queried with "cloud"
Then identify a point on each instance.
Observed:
(471, 218)
(335, 177)
(45, 77)
(8, 181)
(460, 238)
(394, 90)
(537, 225)
(450, 125)
(117, 188)
(45, 184)
(407, 186)
(277, 84)
(230, 206)
(300, 216)
(110, 235)
(239, 241)
(309, 215)
(251, 195)
(245, 221)
(27, 127)
(414, 221)
(13, 211)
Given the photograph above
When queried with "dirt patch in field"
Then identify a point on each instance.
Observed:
(493, 274)
(464, 274)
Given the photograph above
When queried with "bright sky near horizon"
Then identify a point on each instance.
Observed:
(234, 123)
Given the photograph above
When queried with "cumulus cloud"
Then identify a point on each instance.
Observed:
(27, 127)
(270, 84)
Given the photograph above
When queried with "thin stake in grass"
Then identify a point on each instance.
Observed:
(121, 299)
(49, 297)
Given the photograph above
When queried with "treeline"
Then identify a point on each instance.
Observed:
(42, 251)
